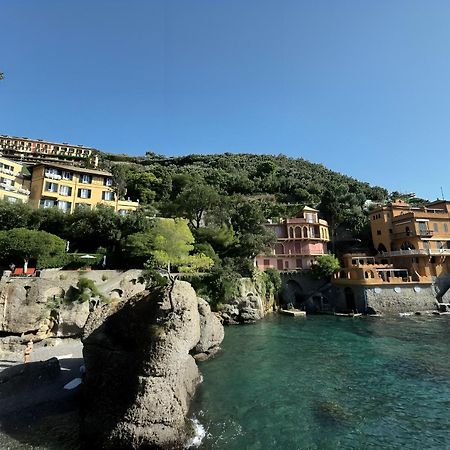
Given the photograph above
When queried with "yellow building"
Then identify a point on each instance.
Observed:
(14, 181)
(70, 187)
(417, 238)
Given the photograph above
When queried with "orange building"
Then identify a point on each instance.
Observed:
(299, 240)
(417, 238)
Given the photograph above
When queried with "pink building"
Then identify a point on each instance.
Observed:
(299, 240)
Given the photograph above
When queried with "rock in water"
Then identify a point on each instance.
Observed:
(211, 330)
(139, 373)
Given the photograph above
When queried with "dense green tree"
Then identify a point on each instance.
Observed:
(19, 244)
(172, 246)
(90, 229)
(194, 202)
(324, 266)
(14, 215)
(137, 248)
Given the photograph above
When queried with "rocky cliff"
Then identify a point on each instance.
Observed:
(140, 372)
(38, 308)
(251, 302)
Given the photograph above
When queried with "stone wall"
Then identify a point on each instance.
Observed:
(392, 299)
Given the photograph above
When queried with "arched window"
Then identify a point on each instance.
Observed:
(298, 232)
(291, 232)
(305, 232)
(381, 248)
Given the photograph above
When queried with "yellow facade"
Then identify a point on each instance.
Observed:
(14, 184)
(414, 237)
(69, 187)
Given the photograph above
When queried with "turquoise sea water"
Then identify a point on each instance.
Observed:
(326, 382)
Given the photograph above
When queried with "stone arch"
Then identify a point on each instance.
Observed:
(293, 293)
(381, 248)
(116, 294)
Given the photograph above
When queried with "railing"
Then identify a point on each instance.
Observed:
(7, 187)
(429, 252)
(53, 176)
(7, 171)
(421, 233)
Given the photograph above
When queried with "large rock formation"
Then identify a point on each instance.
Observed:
(211, 331)
(251, 302)
(140, 374)
(41, 307)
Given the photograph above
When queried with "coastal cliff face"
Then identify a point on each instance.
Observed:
(140, 372)
(251, 302)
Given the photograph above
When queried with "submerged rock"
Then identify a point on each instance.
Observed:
(140, 374)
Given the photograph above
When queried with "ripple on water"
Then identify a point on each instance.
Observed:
(323, 383)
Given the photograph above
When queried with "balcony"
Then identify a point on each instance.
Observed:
(413, 233)
(8, 187)
(53, 176)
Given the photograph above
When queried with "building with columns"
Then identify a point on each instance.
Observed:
(300, 240)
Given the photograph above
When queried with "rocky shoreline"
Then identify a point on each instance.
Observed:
(139, 356)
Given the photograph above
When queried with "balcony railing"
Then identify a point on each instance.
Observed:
(53, 176)
(415, 252)
(414, 233)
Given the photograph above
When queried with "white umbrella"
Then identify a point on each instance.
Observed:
(87, 257)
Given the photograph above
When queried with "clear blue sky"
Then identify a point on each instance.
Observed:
(362, 86)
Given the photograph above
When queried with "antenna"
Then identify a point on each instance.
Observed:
(442, 193)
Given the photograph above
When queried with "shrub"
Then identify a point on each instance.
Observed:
(324, 266)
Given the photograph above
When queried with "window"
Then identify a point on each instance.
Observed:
(47, 203)
(84, 193)
(107, 195)
(12, 199)
(64, 206)
(66, 175)
(379, 232)
(82, 205)
(390, 230)
(435, 227)
(51, 187)
(438, 245)
(266, 262)
(426, 245)
(108, 182)
(65, 190)
(85, 179)
(445, 227)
